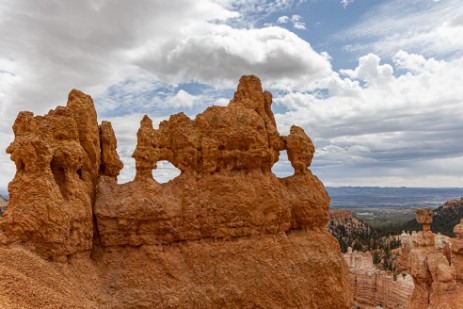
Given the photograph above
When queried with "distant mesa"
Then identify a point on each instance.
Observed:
(225, 233)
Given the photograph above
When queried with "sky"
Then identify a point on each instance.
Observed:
(377, 85)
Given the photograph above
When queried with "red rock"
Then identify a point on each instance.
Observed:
(429, 263)
(110, 162)
(225, 233)
(50, 206)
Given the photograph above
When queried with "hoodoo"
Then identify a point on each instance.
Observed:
(225, 233)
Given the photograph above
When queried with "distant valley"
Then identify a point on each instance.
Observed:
(384, 207)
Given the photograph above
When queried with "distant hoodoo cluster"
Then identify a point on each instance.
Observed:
(436, 264)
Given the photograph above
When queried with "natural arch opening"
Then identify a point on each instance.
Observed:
(283, 167)
(165, 171)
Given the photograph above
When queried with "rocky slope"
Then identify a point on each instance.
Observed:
(225, 233)
(348, 229)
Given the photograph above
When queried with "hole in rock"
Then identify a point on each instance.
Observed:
(283, 167)
(58, 174)
(165, 172)
(79, 173)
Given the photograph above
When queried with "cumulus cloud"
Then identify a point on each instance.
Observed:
(220, 54)
(99, 47)
(283, 19)
(414, 63)
(385, 123)
(375, 124)
(295, 20)
(183, 99)
(77, 44)
(370, 71)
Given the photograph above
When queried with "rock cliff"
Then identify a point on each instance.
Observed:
(372, 287)
(225, 233)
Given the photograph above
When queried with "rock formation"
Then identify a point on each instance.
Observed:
(435, 267)
(57, 161)
(372, 287)
(457, 253)
(225, 233)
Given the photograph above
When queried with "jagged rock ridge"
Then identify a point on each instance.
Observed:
(225, 233)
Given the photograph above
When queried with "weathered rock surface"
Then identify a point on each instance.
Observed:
(225, 233)
(110, 162)
(372, 287)
(435, 266)
(57, 165)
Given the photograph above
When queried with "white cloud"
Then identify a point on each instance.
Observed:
(254, 12)
(283, 19)
(222, 102)
(430, 29)
(391, 126)
(220, 54)
(50, 47)
(370, 71)
(346, 3)
(396, 123)
(183, 99)
(165, 171)
(77, 44)
(297, 22)
(415, 63)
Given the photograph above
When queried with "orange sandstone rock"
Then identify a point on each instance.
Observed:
(225, 233)
(110, 162)
(434, 277)
(372, 287)
(50, 206)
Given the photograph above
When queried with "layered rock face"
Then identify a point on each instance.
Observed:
(225, 233)
(372, 287)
